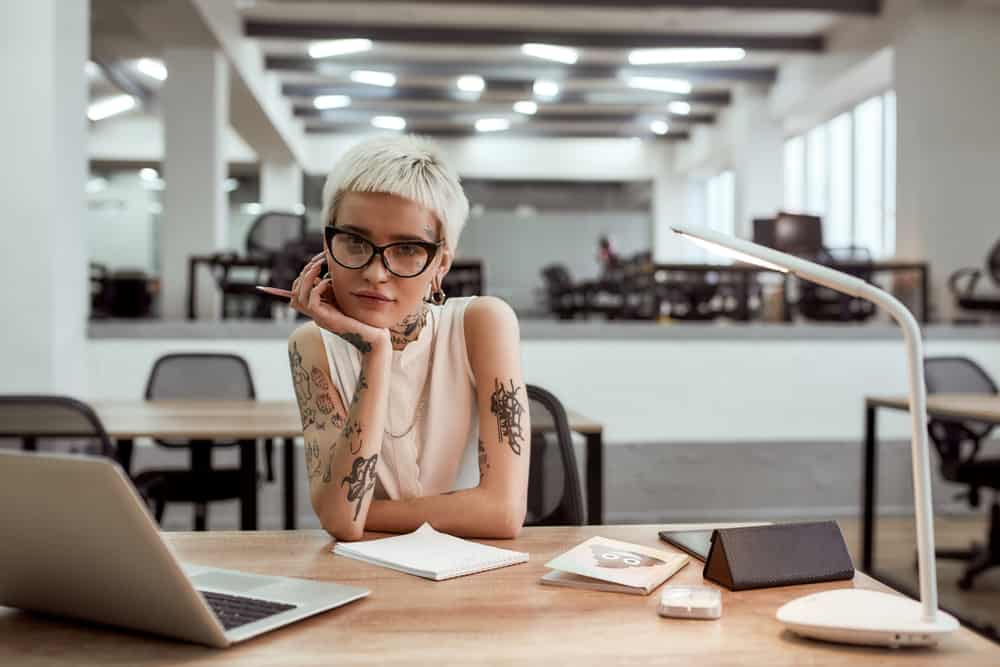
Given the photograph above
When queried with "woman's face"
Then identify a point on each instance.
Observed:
(372, 294)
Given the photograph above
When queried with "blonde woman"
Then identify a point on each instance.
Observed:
(413, 407)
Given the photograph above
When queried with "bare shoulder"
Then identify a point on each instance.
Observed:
(306, 338)
(489, 319)
(488, 311)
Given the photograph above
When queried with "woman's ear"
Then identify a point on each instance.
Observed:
(445, 265)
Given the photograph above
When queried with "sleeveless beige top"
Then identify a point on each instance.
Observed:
(441, 453)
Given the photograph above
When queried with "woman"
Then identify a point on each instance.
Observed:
(413, 408)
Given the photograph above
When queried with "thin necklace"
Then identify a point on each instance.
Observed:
(422, 403)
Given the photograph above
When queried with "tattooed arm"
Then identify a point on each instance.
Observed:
(340, 455)
(496, 508)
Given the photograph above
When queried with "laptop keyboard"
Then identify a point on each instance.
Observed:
(234, 611)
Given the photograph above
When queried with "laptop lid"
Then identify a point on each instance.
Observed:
(76, 540)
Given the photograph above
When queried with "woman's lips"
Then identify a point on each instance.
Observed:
(373, 301)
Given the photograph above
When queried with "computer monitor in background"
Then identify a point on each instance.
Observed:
(798, 234)
(763, 231)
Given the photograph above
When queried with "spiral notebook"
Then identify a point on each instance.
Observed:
(429, 554)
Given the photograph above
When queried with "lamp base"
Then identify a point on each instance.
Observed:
(870, 618)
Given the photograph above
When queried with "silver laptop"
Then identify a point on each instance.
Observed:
(76, 540)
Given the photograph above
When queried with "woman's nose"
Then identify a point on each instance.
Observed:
(375, 271)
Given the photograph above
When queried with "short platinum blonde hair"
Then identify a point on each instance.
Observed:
(408, 166)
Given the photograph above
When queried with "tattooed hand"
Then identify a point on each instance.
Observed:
(312, 295)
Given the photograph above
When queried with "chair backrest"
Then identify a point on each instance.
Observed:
(56, 423)
(959, 375)
(554, 496)
(993, 263)
(204, 376)
(272, 230)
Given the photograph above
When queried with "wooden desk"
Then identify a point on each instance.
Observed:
(230, 420)
(499, 617)
(978, 407)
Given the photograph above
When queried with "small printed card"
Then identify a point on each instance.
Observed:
(610, 565)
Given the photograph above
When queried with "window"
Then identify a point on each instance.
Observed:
(844, 170)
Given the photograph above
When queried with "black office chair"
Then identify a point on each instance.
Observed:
(207, 377)
(60, 424)
(268, 236)
(561, 295)
(963, 282)
(554, 497)
(957, 444)
(826, 305)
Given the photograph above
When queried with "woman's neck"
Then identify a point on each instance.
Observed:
(408, 329)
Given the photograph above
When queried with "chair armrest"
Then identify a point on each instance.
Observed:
(955, 281)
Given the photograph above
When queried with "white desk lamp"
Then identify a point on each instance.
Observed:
(854, 615)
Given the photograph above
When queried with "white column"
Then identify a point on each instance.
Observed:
(669, 207)
(195, 106)
(757, 141)
(947, 78)
(43, 171)
(280, 186)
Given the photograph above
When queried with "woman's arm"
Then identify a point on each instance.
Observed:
(340, 455)
(496, 508)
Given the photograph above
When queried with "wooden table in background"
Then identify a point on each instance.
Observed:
(499, 617)
(234, 420)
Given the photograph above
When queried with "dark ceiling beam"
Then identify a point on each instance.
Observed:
(524, 71)
(837, 6)
(436, 35)
(514, 132)
(358, 91)
(550, 114)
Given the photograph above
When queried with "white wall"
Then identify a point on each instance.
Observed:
(138, 137)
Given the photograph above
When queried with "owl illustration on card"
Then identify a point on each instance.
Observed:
(608, 556)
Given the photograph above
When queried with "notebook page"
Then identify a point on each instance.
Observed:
(427, 552)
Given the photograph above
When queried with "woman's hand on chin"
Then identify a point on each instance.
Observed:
(313, 297)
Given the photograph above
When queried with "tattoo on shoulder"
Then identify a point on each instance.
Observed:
(360, 481)
(357, 341)
(508, 409)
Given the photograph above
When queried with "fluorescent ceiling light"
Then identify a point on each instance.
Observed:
(561, 54)
(526, 107)
(684, 55)
(338, 47)
(545, 88)
(230, 184)
(679, 108)
(663, 85)
(492, 125)
(659, 127)
(389, 122)
(148, 174)
(471, 83)
(384, 79)
(109, 106)
(152, 68)
(331, 101)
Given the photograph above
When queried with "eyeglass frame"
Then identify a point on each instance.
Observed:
(331, 230)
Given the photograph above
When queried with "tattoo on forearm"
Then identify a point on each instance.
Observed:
(360, 481)
(483, 463)
(328, 473)
(508, 410)
(357, 341)
(352, 433)
(312, 458)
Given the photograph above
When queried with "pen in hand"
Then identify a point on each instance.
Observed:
(276, 291)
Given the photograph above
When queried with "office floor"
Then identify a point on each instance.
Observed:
(895, 555)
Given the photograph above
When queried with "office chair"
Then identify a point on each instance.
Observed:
(560, 292)
(268, 236)
(962, 284)
(826, 305)
(201, 377)
(957, 444)
(60, 424)
(554, 496)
